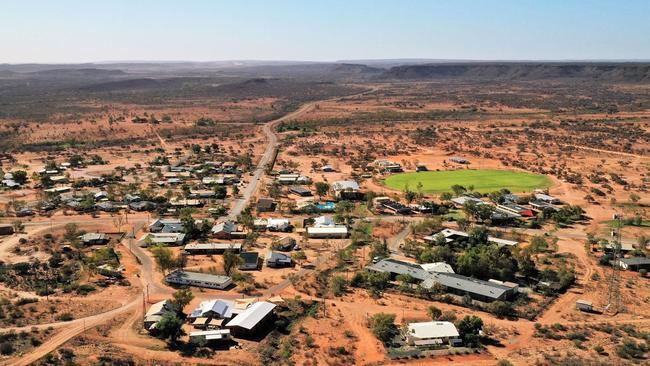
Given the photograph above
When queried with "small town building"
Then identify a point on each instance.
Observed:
(156, 312)
(285, 244)
(277, 260)
(300, 191)
(328, 232)
(186, 203)
(224, 230)
(462, 200)
(212, 248)
(202, 193)
(250, 261)
(159, 224)
(6, 229)
(94, 238)
(516, 209)
(142, 206)
(458, 160)
(584, 305)
(265, 205)
(210, 309)
(198, 279)
(252, 321)
(209, 337)
(109, 270)
(170, 239)
(547, 198)
(278, 225)
(347, 190)
(634, 263)
(451, 236)
(432, 334)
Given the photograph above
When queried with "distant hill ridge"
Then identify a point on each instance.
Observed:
(611, 72)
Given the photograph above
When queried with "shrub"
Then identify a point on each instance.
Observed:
(65, 317)
(85, 289)
(6, 348)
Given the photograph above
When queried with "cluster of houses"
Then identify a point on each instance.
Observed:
(387, 166)
(452, 236)
(204, 176)
(218, 321)
(510, 208)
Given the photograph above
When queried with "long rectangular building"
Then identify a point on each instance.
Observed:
(332, 232)
(199, 279)
(212, 248)
(455, 283)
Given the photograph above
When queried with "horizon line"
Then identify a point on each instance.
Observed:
(404, 59)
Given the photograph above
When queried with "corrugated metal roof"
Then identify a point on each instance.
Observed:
(427, 330)
(250, 317)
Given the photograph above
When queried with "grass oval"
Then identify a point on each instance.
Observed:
(483, 180)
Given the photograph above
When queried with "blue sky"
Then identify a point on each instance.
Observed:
(202, 30)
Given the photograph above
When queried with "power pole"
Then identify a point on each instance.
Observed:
(614, 290)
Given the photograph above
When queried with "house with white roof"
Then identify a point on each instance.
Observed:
(432, 334)
(210, 336)
(156, 312)
(346, 190)
(170, 239)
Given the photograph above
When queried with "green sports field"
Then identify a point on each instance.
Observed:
(485, 180)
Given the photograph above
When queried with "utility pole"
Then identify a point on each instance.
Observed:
(614, 291)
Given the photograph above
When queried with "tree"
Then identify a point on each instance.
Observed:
(230, 261)
(434, 312)
(446, 196)
(20, 176)
(18, 226)
(164, 258)
(182, 297)
(383, 326)
(169, 327)
(377, 282)
(501, 309)
(75, 160)
(322, 188)
(458, 189)
(469, 328)
(634, 197)
(338, 285)
(410, 195)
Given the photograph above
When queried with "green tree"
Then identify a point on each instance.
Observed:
(458, 189)
(469, 328)
(446, 196)
(20, 176)
(501, 309)
(322, 188)
(383, 326)
(231, 261)
(338, 285)
(164, 258)
(169, 327)
(182, 297)
(434, 312)
(75, 160)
